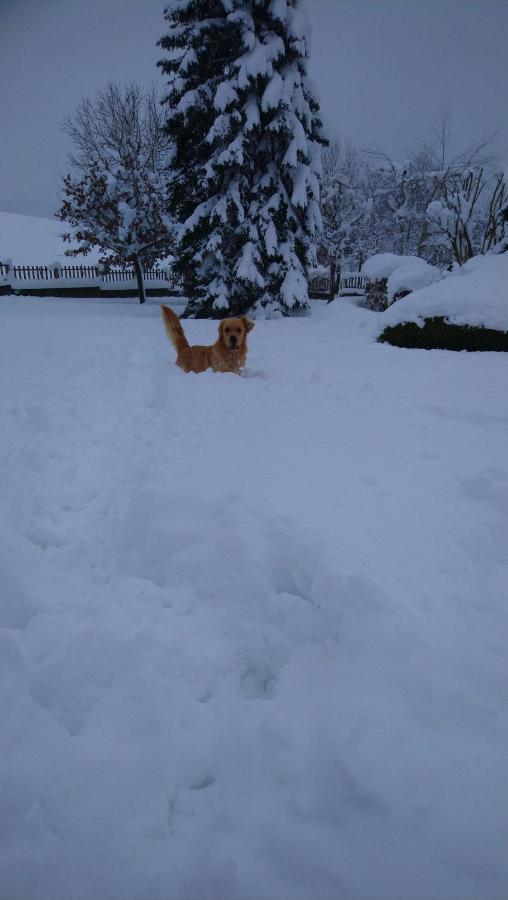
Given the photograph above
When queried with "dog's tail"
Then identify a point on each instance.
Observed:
(174, 329)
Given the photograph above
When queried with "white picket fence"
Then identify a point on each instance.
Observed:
(69, 277)
(24, 278)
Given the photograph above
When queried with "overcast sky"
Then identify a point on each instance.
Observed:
(383, 69)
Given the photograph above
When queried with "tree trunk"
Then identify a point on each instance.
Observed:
(333, 277)
(138, 269)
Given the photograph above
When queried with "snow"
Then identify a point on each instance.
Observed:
(412, 276)
(35, 241)
(273, 93)
(476, 294)
(299, 196)
(225, 96)
(252, 114)
(381, 265)
(278, 9)
(247, 265)
(259, 60)
(252, 636)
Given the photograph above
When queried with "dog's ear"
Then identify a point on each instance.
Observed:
(221, 330)
(248, 323)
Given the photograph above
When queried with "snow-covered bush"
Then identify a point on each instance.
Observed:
(501, 245)
(378, 269)
(381, 265)
(376, 295)
(466, 209)
(392, 277)
(413, 274)
(246, 128)
(473, 296)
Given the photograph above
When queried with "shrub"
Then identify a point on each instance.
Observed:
(376, 296)
(439, 334)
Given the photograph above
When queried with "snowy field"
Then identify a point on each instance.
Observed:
(253, 639)
(36, 241)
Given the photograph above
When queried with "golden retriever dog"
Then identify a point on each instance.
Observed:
(228, 354)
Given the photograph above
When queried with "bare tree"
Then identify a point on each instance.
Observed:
(115, 195)
(494, 225)
(480, 153)
(343, 204)
(437, 204)
(467, 209)
(467, 191)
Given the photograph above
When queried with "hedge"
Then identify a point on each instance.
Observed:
(439, 334)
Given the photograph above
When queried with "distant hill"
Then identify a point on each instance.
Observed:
(34, 241)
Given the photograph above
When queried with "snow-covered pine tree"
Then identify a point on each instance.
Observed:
(245, 124)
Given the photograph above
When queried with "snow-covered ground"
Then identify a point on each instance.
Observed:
(36, 241)
(254, 629)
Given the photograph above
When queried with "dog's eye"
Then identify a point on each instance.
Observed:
(226, 330)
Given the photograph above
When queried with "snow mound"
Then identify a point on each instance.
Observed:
(404, 273)
(476, 294)
(381, 265)
(412, 276)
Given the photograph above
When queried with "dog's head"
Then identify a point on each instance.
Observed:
(233, 332)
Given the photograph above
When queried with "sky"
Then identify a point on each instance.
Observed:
(383, 70)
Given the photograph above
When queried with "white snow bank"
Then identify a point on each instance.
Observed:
(36, 241)
(251, 629)
(476, 294)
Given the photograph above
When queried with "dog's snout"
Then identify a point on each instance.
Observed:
(233, 340)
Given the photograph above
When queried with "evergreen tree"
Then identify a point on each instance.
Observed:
(246, 129)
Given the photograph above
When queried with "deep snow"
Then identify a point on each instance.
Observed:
(254, 629)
